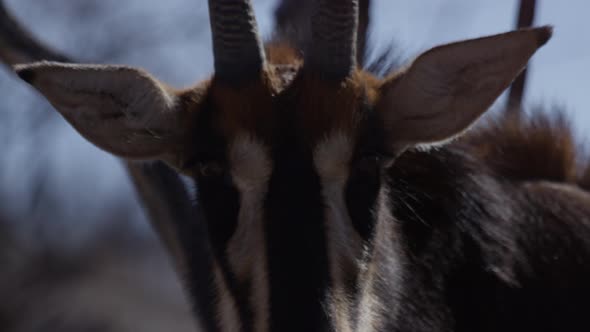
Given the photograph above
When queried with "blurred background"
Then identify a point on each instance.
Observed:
(62, 197)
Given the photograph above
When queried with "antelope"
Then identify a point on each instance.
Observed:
(332, 200)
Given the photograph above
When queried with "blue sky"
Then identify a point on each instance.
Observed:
(559, 72)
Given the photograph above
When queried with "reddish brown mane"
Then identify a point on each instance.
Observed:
(539, 146)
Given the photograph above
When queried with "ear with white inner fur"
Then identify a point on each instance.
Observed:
(449, 87)
(120, 109)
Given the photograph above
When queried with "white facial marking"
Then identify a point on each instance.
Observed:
(369, 307)
(251, 166)
(228, 319)
(251, 169)
(383, 262)
(332, 159)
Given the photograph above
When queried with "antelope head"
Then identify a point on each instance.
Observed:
(290, 155)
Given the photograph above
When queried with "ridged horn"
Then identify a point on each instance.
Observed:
(237, 49)
(332, 49)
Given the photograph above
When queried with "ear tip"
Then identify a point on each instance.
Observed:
(26, 73)
(544, 34)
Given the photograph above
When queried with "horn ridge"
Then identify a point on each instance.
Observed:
(333, 33)
(237, 48)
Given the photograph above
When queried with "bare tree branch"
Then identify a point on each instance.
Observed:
(161, 192)
(19, 46)
(526, 16)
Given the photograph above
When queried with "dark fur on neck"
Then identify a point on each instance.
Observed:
(495, 228)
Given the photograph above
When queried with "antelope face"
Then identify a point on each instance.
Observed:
(290, 154)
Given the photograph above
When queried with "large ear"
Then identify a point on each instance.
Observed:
(120, 109)
(448, 87)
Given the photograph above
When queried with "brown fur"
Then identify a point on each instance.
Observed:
(244, 109)
(249, 108)
(315, 100)
(281, 53)
(538, 147)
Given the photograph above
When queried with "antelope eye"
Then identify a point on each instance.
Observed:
(211, 168)
(368, 163)
(372, 163)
